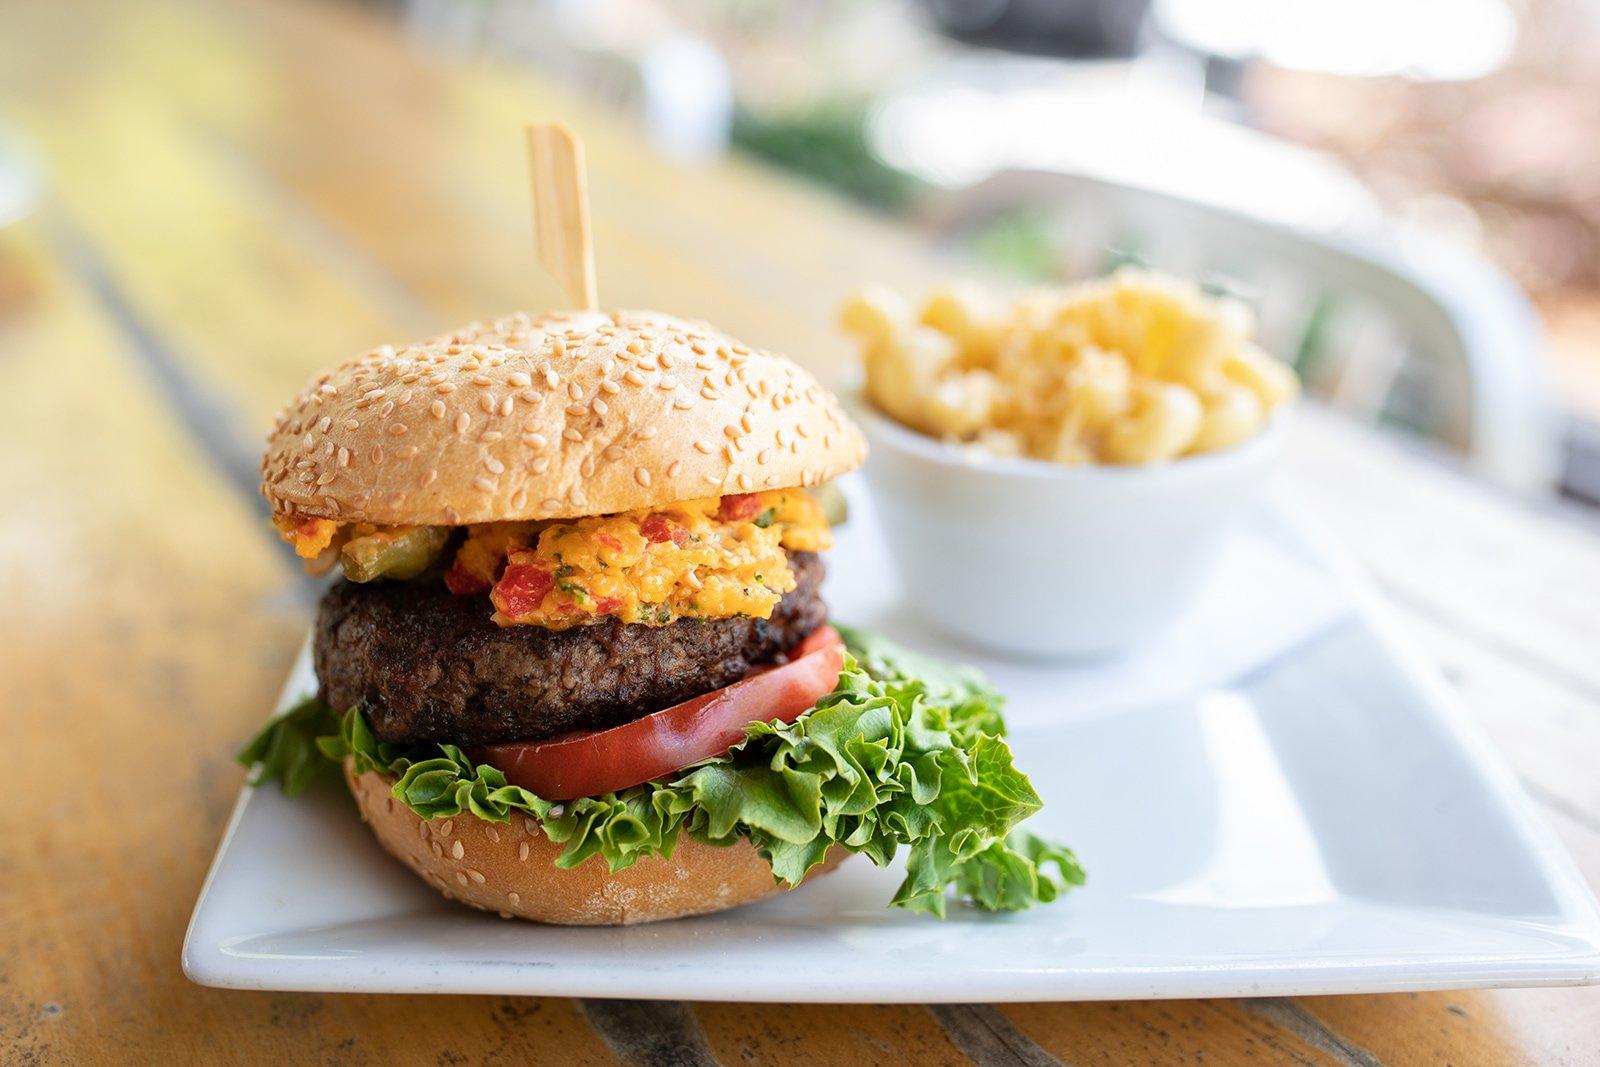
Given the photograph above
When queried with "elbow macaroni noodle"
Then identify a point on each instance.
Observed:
(1135, 368)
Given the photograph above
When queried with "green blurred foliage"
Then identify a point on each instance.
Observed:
(828, 144)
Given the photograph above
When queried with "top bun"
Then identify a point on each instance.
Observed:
(554, 416)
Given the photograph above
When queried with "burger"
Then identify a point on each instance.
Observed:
(575, 665)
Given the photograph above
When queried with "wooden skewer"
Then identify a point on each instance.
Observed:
(561, 210)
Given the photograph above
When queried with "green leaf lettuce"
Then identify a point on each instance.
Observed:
(905, 752)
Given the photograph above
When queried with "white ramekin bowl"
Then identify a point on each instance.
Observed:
(1039, 559)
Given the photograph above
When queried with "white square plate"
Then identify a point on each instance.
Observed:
(1274, 801)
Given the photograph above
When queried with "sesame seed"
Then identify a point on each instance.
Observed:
(641, 475)
(463, 420)
(486, 402)
(398, 429)
(712, 478)
(519, 498)
(730, 430)
(445, 388)
(613, 452)
(612, 388)
(550, 503)
(633, 377)
(571, 434)
(519, 380)
(344, 457)
(457, 850)
(429, 478)
(764, 455)
(326, 423)
(551, 378)
(586, 468)
(436, 409)
(575, 410)
(387, 409)
(482, 379)
(674, 467)
(446, 826)
(647, 432)
(574, 390)
(703, 447)
(438, 850)
(534, 441)
(352, 424)
(599, 406)
(710, 393)
(474, 875)
(493, 466)
(540, 465)
(487, 485)
(461, 877)
(325, 478)
(376, 454)
(505, 405)
(576, 496)
(489, 437)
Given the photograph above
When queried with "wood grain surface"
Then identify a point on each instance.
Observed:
(242, 192)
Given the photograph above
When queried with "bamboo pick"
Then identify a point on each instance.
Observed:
(561, 210)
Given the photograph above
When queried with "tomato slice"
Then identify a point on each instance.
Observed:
(590, 762)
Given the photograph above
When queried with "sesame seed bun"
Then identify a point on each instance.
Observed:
(510, 868)
(553, 416)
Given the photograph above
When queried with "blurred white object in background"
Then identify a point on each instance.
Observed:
(1424, 40)
(970, 117)
(687, 97)
(1054, 560)
(629, 54)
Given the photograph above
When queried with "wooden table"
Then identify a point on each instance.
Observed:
(241, 193)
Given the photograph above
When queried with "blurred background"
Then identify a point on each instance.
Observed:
(1407, 190)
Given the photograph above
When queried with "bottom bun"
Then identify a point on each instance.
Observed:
(510, 868)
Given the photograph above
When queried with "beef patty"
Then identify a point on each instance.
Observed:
(427, 665)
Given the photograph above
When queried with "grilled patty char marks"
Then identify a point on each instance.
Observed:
(428, 665)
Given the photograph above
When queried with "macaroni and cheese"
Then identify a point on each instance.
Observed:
(1135, 368)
